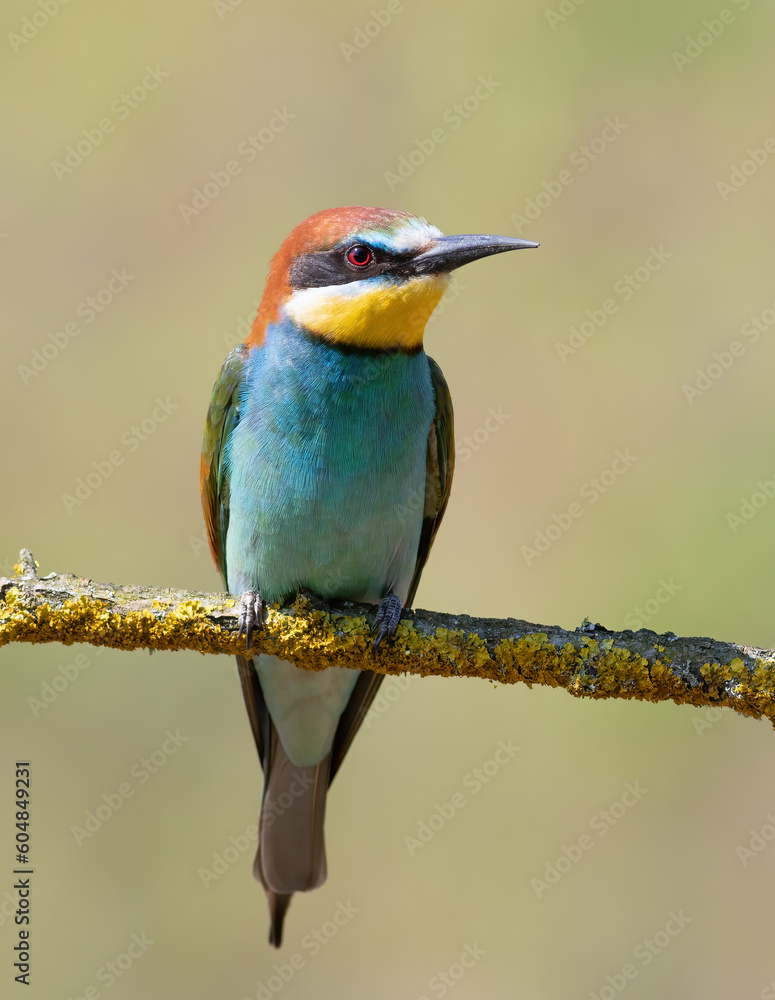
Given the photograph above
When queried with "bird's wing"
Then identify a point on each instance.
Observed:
(440, 464)
(222, 418)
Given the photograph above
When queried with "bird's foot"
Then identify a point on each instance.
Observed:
(387, 618)
(250, 615)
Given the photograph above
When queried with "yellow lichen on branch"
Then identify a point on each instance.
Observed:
(590, 662)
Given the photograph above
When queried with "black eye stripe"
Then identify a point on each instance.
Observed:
(331, 267)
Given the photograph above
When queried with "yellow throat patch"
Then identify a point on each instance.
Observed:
(389, 315)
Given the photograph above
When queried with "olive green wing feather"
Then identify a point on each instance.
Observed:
(440, 465)
(222, 418)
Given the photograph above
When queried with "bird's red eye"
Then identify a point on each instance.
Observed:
(359, 255)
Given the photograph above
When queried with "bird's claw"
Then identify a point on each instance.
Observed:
(250, 614)
(387, 617)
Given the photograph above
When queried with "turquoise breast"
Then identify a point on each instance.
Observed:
(327, 469)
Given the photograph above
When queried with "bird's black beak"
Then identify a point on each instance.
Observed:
(449, 252)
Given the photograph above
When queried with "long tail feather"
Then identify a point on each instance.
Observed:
(292, 855)
(278, 906)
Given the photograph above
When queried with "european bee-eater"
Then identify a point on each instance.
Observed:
(327, 465)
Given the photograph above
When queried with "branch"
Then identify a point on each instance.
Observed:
(591, 662)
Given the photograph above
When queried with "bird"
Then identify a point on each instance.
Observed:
(326, 467)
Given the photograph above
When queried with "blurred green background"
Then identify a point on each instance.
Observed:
(182, 86)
